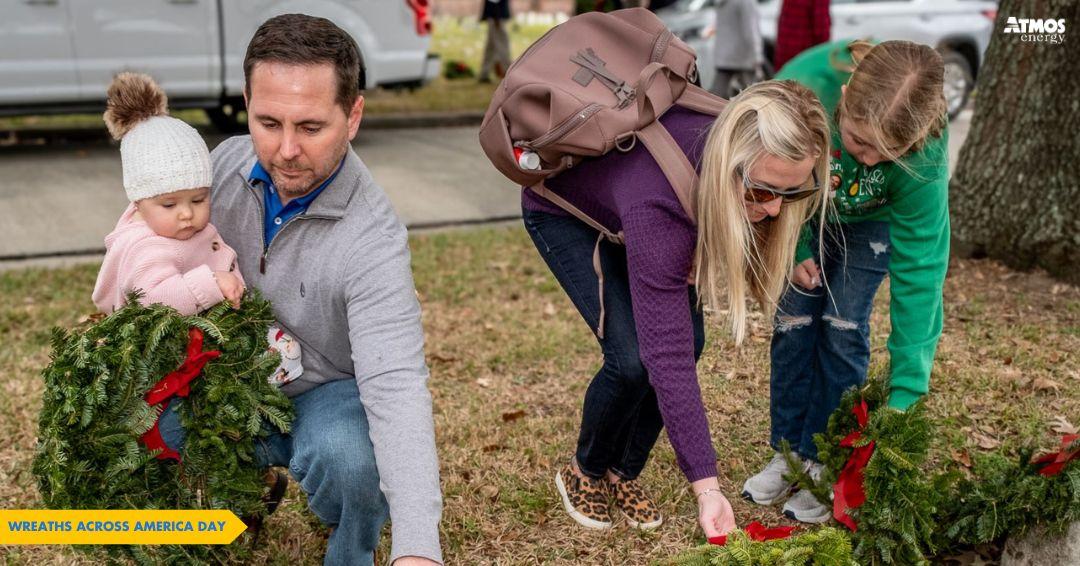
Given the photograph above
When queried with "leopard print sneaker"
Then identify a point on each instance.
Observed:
(631, 501)
(585, 499)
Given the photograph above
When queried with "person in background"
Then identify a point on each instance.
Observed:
(582, 6)
(497, 46)
(736, 45)
(802, 24)
(654, 5)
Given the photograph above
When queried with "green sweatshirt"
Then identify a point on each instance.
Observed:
(916, 206)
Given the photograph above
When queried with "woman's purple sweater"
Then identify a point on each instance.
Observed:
(629, 192)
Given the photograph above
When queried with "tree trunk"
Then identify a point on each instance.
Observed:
(1015, 195)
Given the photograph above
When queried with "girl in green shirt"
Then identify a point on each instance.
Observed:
(889, 178)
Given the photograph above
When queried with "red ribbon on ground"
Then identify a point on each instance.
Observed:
(176, 383)
(848, 491)
(757, 532)
(1052, 464)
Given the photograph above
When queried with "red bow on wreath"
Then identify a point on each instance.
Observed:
(757, 532)
(1052, 464)
(848, 491)
(176, 383)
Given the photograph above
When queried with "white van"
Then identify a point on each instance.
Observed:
(60, 55)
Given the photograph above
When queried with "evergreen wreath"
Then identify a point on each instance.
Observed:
(93, 414)
(908, 515)
(828, 545)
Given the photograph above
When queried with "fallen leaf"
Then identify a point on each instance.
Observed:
(513, 415)
(1045, 384)
(490, 491)
(1008, 360)
(962, 457)
(549, 310)
(1061, 425)
(493, 447)
(483, 382)
(985, 442)
(441, 358)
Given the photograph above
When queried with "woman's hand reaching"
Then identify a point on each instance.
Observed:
(714, 511)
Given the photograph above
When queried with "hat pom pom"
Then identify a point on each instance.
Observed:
(132, 98)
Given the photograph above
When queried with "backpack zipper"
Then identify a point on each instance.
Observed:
(661, 45)
(563, 129)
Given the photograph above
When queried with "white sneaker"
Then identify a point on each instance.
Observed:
(769, 486)
(803, 506)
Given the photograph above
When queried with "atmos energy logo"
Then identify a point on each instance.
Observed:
(1037, 30)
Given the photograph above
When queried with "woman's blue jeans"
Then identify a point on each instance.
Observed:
(620, 419)
(821, 337)
(329, 453)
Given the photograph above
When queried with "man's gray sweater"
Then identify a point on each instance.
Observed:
(340, 281)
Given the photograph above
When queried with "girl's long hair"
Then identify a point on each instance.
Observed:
(778, 118)
(896, 90)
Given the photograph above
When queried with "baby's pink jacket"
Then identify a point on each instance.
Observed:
(177, 273)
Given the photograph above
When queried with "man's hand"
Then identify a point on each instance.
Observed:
(806, 274)
(231, 287)
(414, 561)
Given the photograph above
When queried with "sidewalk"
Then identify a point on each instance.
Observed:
(61, 201)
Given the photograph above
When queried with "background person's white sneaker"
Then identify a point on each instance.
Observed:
(769, 486)
(803, 506)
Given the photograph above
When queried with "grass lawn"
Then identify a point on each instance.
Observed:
(510, 360)
(453, 39)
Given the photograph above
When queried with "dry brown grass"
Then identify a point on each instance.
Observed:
(510, 360)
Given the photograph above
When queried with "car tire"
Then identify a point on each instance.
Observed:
(229, 118)
(959, 81)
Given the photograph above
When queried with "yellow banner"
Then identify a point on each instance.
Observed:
(119, 527)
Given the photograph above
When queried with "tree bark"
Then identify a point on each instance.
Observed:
(1015, 195)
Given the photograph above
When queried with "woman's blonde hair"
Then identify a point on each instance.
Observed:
(778, 118)
(896, 91)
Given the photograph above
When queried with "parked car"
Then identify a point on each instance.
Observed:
(959, 29)
(60, 55)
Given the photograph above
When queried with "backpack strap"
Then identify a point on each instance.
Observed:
(664, 149)
(605, 234)
(700, 100)
(673, 162)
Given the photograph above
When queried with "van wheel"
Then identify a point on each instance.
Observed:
(229, 118)
(959, 81)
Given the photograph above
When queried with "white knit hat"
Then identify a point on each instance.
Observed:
(160, 154)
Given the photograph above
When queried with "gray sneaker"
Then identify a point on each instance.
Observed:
(769, 486)
(804, 507)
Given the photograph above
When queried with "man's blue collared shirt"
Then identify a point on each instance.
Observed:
(277, 214)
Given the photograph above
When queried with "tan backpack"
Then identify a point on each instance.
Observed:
(595, 83)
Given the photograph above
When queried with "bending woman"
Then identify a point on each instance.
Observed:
(890, 178)
(758, 162)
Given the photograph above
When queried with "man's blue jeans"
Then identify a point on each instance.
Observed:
(821, 337)
(620, 419)
(329, 453)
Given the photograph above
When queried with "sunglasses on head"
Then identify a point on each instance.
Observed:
(759, 193)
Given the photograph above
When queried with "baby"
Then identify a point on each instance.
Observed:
(164, 244)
